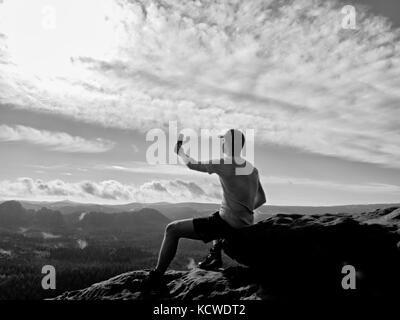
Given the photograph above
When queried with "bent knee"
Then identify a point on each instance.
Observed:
(172, 229)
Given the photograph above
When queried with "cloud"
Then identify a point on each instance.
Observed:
(191, 186)
(142, 167)
(58, 141)
(287, 69)
(176, 190)
(135, 148)
(109, 191)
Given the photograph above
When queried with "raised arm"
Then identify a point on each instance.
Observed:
(189, 161)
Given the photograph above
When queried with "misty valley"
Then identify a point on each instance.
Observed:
(83, 247)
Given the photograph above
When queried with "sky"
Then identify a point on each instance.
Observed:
(82, 83)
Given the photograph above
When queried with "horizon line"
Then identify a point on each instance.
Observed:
(189, 202)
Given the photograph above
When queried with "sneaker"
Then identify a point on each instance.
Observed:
(213, 260)
(153, 282)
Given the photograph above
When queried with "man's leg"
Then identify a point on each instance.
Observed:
(213, 260)
(173, 232)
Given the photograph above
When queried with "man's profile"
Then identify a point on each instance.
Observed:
(242, 194)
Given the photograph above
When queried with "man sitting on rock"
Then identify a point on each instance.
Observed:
(242, 193)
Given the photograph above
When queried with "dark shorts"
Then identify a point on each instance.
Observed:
(212, 228)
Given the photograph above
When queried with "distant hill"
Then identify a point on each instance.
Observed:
(45, 218)
(142, 219)
(61, 213)
(171, 210)
(186, 210)
(68, 207)
(310, 210)
(14, 215)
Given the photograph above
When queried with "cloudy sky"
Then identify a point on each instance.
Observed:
(83, 82)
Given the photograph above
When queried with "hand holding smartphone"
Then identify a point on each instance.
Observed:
(179, 143)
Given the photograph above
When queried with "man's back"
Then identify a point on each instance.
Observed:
(239, 193)
(239, 190)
